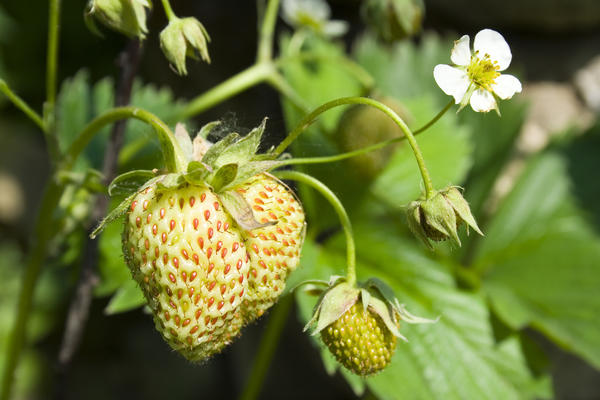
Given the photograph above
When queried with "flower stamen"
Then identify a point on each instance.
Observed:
(483, 71)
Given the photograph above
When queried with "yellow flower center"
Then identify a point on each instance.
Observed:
(483, 71)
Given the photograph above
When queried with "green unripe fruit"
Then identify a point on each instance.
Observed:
(361, 126)
(360, 341)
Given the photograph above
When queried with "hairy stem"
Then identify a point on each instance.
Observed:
(21, 105)
(168, 10)
(310, 118)
(238, 83)
(266, 349)
(373, 147)
(267, 29)
(175, 159)
(339, 210)
(51, 81)
(52, 56)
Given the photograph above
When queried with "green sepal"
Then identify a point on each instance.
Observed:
(90, 21)
(116, 213)
(250, 169)
(314, 282)
(384, 291)
(224, 176)
(168, 182)
(244, 149)
(196, 173)
(440, 216)
(334, 304)
(129, 182)
(214, 152)
(184, 141)
(387, 314)
(413, 217)
(460, 205)
(240, 210)
(207, 129)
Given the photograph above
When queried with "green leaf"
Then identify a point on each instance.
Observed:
(128, 297)
(73, 108)
(129, 182)
(224, 176)
(456, 358)
(540, 260)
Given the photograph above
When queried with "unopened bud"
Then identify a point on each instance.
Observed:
(184, 37)
(125, 16)
(439, 217)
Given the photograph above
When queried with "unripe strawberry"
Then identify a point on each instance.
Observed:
(360, 324)
(210, 243)
(274, 249)
(360, 341)
(190, 260)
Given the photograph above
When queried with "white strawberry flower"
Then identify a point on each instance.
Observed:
(475, 79)
(313, 14)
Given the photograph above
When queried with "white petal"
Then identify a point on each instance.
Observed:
(506, 86)
(482, 101)
(335, 28)
(491, 42)
(453, 81)
(461, 53)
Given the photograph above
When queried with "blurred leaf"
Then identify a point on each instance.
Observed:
(73, 108)
(128, 297)
(456, 358)
(405, 70)
(540, 260)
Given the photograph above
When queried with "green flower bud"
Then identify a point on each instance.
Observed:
(125, 16)
(184, 37)
(439, 217)
(394, 20)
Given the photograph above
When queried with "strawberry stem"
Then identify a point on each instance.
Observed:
(310, 118)
(175, 159)
(340, 211)
(373, 147)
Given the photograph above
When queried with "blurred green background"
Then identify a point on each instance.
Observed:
(520, 308)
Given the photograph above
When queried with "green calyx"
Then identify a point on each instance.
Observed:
(184, 37)
(125, 16)
(375, 296)
(221, 166)
(437, 218)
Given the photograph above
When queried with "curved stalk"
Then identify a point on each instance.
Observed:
(266, 349)
(339, 210)
(434, 119)
(175, 159)
(310, 118)
(168, 10)
(22, 105)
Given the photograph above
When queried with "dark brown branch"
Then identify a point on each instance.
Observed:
(80, 305)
